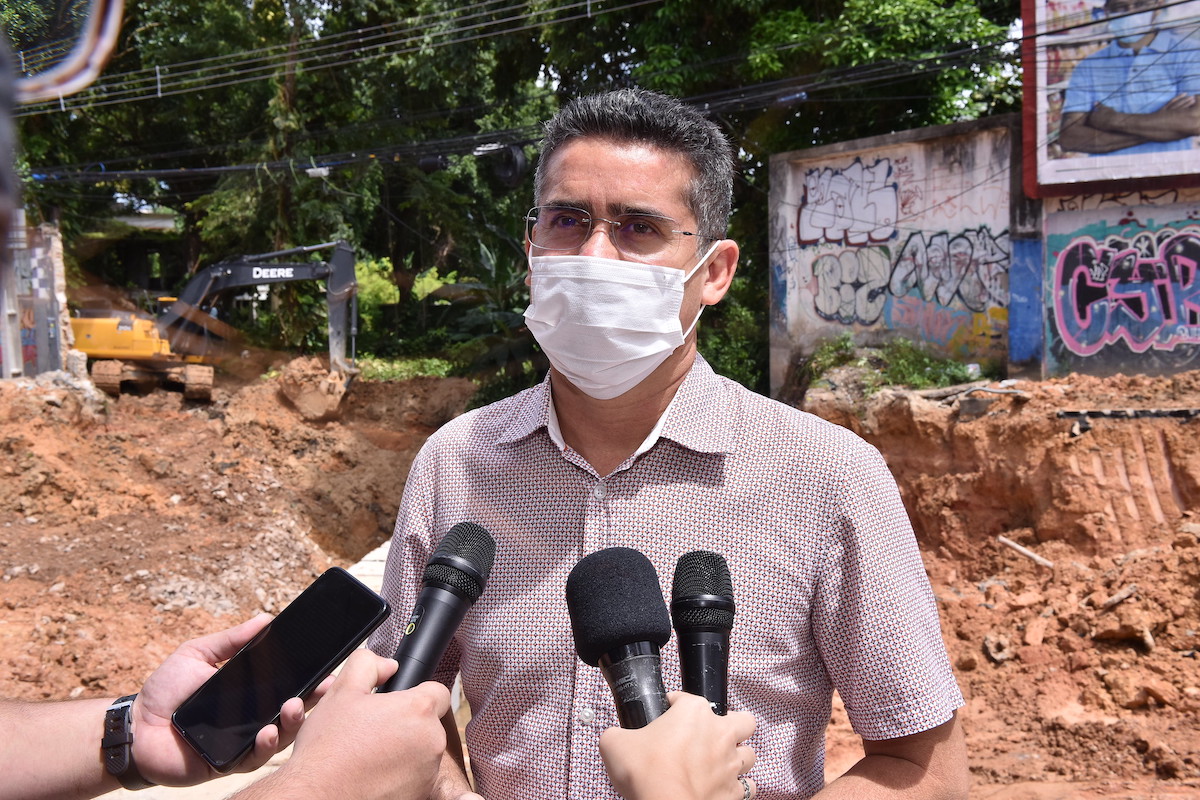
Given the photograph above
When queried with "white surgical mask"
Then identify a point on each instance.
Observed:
(1133, 26)
(606, 324)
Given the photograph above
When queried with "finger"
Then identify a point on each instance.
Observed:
(436, 694)
(291, 718)
(743, 724)
(316, 694)
(217, 647)
(610, 738)
(266, 745)
(746, 787)
(686, 699)
(363, 671)
(748, 758)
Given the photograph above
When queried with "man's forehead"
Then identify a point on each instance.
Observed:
(572, 188)
(616, 146)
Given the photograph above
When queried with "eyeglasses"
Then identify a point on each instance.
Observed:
(634, 235)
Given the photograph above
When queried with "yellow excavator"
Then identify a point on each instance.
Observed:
(179, 346)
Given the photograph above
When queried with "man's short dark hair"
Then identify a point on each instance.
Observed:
(643, 116)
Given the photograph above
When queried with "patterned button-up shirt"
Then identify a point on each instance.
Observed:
(829, 584)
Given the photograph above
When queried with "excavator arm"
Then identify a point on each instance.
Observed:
(191, 329)
(125, 348)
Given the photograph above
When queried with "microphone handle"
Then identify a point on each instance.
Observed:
(436, 616)
(704, 665)
(634, 674)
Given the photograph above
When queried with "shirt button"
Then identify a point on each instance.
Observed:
(586, 715)
(599, 490)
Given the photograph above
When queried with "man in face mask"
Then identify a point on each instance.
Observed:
(633, 441)
(1137, 94)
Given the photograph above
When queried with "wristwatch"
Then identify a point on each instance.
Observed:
(117, 744)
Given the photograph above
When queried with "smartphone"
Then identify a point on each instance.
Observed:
(288, 658)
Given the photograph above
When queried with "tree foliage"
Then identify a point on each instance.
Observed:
(408, 126)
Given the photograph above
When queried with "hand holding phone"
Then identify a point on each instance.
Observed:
(288, 658)
(366, 745)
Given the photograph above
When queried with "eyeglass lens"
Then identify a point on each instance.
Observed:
(558, 228)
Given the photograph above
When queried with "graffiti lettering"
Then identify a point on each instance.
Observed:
(1113, 200)
(968, 271)
(854, 206)
(852, 286)
(1144, 291)
(971, 268)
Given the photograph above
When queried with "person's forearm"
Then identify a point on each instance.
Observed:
(878, 777)
(1080, 137)
(930, 765)
(53, 750)
(1175, 120)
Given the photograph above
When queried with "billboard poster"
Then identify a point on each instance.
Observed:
(1113, 89)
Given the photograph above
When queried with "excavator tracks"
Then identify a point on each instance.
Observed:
(107, 376)
(197, 382)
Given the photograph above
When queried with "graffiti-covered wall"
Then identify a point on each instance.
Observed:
(1122, 278)
(898, 236)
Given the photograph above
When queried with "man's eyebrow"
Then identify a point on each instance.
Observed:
(640, 210)
(613, 210)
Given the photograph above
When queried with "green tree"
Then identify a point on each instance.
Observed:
(408, 126)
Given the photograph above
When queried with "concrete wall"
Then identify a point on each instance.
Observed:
(927, 235)
(38, 298)
(905, 235)
(1122, 274)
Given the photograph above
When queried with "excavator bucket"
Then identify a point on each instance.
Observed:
(314, 390)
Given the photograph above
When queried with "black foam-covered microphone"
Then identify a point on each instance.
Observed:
(620, 621)
(452, 582)
(702, 611)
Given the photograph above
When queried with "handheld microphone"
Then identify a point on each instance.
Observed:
(702, 610)
(453, 580)
(620, 621)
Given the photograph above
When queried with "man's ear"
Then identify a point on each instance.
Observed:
(528, 253)
(719, 272)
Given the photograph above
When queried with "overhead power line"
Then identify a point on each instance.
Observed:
(337, 50)
(787, 91)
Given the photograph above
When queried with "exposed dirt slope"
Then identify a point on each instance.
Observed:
(127, 526)
(1085, 670)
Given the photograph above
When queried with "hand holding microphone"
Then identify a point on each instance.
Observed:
(689, 753)
(453, 580)
(672, 748)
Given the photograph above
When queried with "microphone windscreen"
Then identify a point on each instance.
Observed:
(702, 574)
(614, 599)
(463, 559)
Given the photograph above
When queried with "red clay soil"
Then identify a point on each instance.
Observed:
(128, 525)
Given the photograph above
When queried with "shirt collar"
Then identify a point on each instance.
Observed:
(1164, 41)
(699, 417)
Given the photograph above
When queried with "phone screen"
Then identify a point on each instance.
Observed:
(288, 658)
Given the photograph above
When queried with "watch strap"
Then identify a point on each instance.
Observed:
(117, 744)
